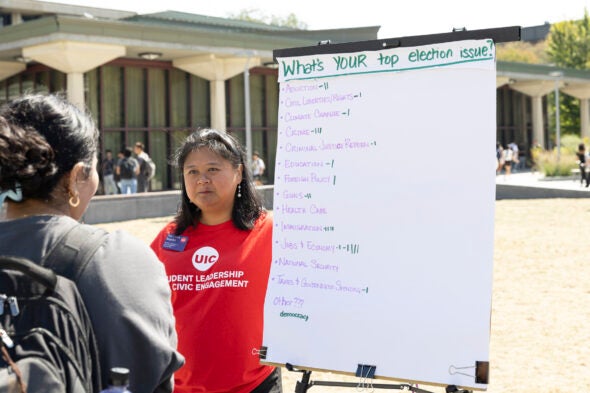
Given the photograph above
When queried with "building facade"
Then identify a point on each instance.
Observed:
(154, 78)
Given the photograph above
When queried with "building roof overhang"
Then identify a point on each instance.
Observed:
(173, 41)
(520, 71)
(34, 7)
(178, 35)
(540, 79)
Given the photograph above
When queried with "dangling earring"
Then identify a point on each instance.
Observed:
(239, 190)
(74, 200)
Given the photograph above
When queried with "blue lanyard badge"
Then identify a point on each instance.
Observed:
(175, 243)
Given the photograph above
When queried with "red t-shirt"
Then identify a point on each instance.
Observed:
(218, 287)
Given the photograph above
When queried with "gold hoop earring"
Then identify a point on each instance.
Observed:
(76, 202)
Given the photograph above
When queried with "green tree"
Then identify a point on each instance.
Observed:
(568, 46)
(522, 52)
(256, 15)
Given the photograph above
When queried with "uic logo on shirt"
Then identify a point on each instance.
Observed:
(204, 258)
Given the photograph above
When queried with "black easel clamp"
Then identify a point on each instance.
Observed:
(455, 389)
(365, 371)
(482, 370)
(260, 352)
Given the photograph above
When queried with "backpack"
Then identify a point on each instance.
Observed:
(127, 168)
(47, 340)
(148, 167)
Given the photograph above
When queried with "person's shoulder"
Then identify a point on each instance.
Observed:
(53, 225)
(63, 224)
(264, 221)
(118, 238)
(121, 245)
(168, 229)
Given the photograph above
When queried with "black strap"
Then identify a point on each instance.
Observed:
(38, 273)
(71, 254)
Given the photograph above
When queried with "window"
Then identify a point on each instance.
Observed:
(35, 79)
(5, 19)
(264, 101)
(150, 102)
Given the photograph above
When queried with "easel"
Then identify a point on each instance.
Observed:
(369, 372)
(505, 34)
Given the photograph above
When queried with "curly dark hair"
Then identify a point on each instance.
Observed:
(42, 137)
(246, 209)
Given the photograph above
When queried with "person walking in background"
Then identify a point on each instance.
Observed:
(258, 168)
(128, 169)
(145, 170)
(507, 155)
(48, 157)
(581, 154)
(120, 156)
(108, 173)
(515, 158)
(499, 158)
(223, 235)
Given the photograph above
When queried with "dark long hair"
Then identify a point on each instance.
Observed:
(42, 137)
(246, 209)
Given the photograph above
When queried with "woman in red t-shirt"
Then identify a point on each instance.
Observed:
(217, 255)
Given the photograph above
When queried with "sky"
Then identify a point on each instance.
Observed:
(396, 18)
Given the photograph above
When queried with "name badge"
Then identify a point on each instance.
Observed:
(175, 243)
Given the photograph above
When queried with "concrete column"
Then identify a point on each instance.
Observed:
(10, 68)
(216, 70)
(74, 59)
(538, 131)
(76, 88)
(17, 18)
(217, 97)
(536, 90)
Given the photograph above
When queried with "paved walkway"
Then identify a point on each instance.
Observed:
(535, 185)
(536, 179)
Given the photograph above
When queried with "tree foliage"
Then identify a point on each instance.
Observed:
(256, 15)
(522, 52)
(568, 44)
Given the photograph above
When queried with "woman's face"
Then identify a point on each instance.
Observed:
(211, 182)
